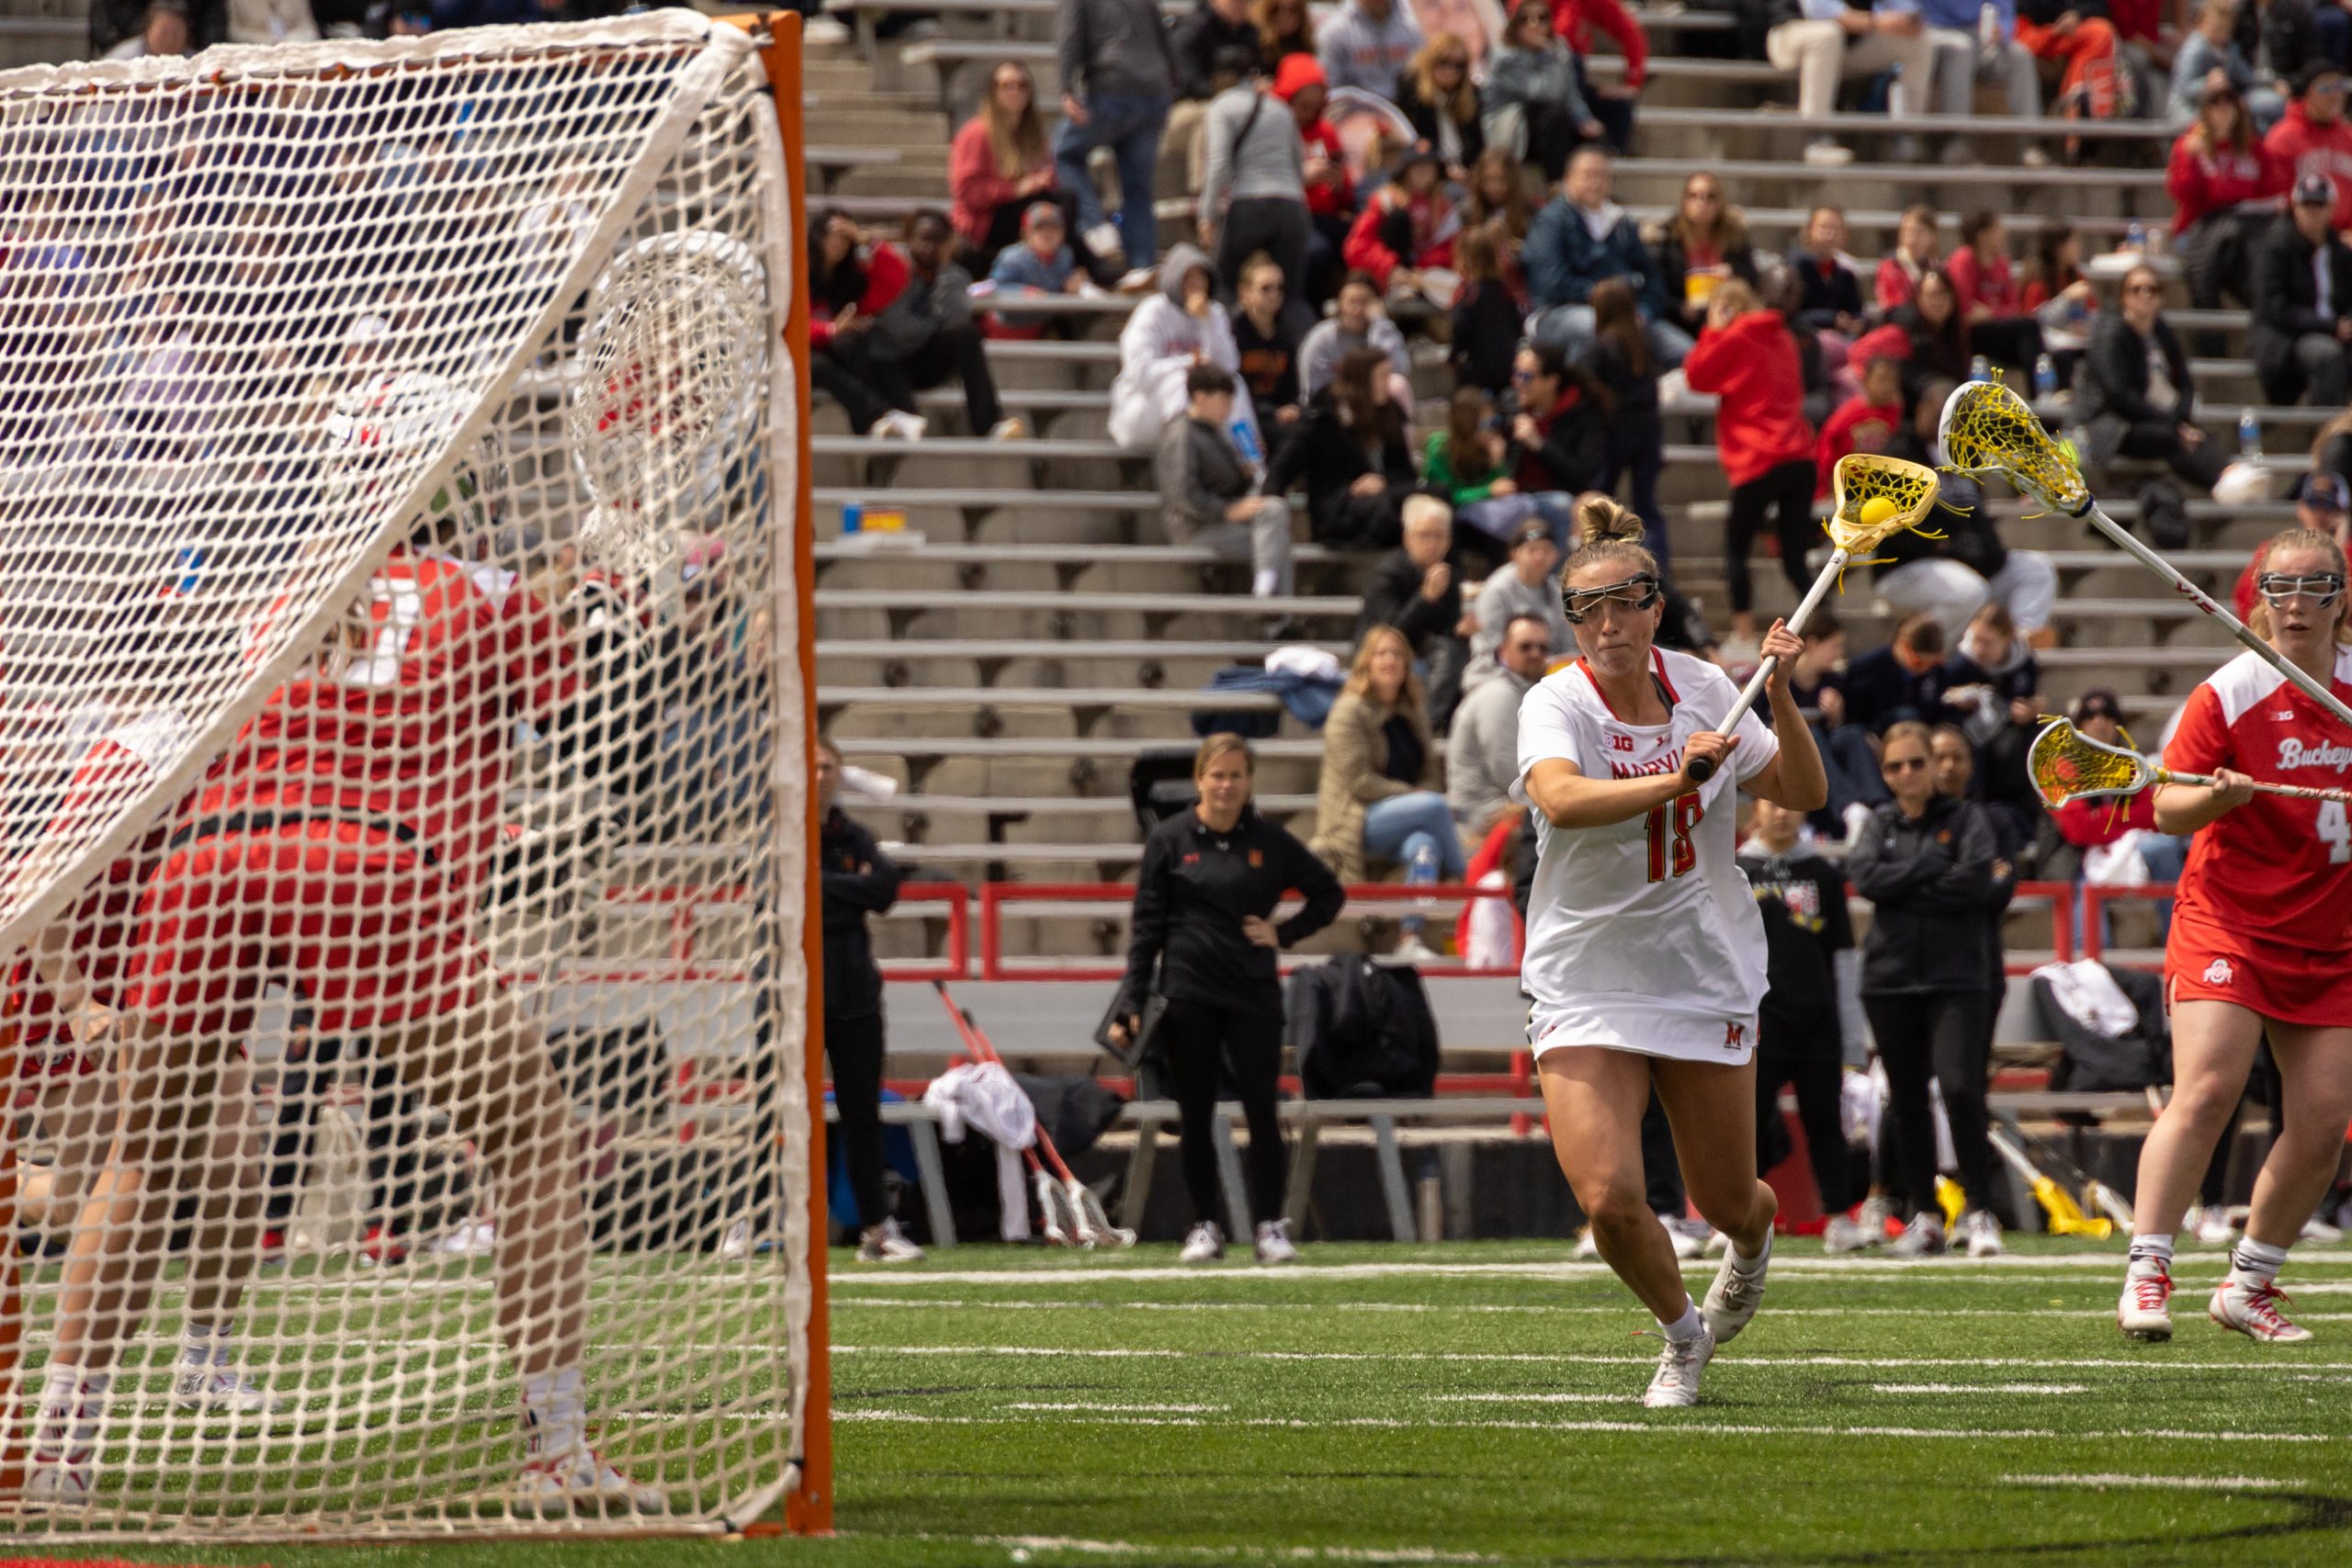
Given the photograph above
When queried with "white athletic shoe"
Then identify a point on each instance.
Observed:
(62, 1482)
(581, 1482)
(1844, 1235)
(1675, 1381)
(1413, 950)
(1588, 1246)
(2253, 1311)
(2145, 1310)
(1924, 1237)
(1275, 1245)
(1104, 240)
(1716, 1244)
(1689, 1237)
(1982, 1233)
(899, 425)
(1205, 1242)
(2209, 1227)
(221, 1391)
(1876, 1215)
(2318, 1230)
(736, 1242)
(1733, 1298)
(883, 1244)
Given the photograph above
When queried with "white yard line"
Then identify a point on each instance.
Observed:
(1113, 1409)
(1741, 1429)
(1980, 1388)
(2196, 1483)
(1436, 1309)
(2015, 1265)
(1529, 1398)
(2153, 1363)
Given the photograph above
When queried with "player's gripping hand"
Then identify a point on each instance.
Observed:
(1707, 747)
(2230, 789)
(1782, 646)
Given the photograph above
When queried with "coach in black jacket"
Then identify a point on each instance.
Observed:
(2302, 301)
(2116, 395)
(1200, 937)
(856, 880)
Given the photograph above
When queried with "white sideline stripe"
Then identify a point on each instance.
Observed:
(2021, 1263)
(1980, 1388)
(1733, 1429)
(1529, 1398)
(1223, 1553)
(1119, 1409)
(2030, 1364)
(1472, 1309)
(2198, 1482)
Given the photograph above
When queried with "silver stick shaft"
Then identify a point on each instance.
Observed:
(2293, 792)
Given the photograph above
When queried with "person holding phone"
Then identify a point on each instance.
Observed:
(1202, 938)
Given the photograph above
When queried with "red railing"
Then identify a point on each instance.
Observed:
(2097, 899)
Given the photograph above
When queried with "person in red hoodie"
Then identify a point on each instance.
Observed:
(1863, 422)
(2225, 189)
(1998, 327)
(2313, 139)
(1749, 359)
(1330, 189)
(1612, 106)
(1408, 224)
(850, 285)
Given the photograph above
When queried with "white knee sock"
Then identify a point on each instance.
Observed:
(204, 1342)
(72, 1406)
(555, 1407)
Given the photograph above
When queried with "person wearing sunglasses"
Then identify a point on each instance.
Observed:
(1924, 861)
(2258, 944)
(2132, 392)
(1645, 958)
(2302, 302)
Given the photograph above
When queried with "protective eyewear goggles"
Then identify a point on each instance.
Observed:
(2276, 588)
(1638, 592)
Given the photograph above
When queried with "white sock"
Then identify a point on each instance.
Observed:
(555, 1407)
(2151, 1253)
(1687, 1328)
(204, 1342)
(1262, 585)
(72, 1405)
(1742, 1264)
(2256, 1262)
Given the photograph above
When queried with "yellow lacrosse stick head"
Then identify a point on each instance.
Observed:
(1877, 498)
(1987, 429)
(2066, 764)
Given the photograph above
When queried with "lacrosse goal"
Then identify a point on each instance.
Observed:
(405, 642)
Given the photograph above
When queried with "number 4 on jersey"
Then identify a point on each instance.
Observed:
(1687, 812)
(2334, 831)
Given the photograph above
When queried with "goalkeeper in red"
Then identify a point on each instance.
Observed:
(2260, 942)
(342, 844)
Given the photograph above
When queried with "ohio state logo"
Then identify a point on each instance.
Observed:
(2294, 754)
(2218, 973)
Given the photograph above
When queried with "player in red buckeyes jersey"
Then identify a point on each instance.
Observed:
(2261, 942)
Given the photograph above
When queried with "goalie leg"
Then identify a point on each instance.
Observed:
(224, 1253)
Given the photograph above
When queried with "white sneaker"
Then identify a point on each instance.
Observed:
(2209, 1227)
(1413, 950)
(1675, 1381)
(1103, 241)
(1205, 1242)
(1824, 153)
(58, 1482)
(1845, 1235)
(1716, 1244)
(1924, 1237)
(581, 1482)
(2319, 1230)
(221, 1391)
(2253, 1311)
(1876, 1213)
(899, 425)
(1689, 1237)
(1275, 1245)
(1981, 1232)
(1588, 1246)
(2145, 1310)
(1008, 430)
(736, 1242)
(883, 1244)
(818, 30)
(1139, 280)
(1733, 1298)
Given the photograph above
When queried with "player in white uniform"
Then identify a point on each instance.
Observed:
(1645, 956)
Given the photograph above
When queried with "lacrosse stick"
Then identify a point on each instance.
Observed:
(2067, 765)
(1987, 429)
(1090, 1226)
(1053, 1204)
(2097, 1196)
(2065, 1216)
(1877, 498)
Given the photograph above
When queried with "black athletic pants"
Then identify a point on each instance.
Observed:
(1938, 1035)
(2159, 441)
(1785, 495)
(844, 373)
(1277, 225)
(1819, 1082)
(854, 1051)
(1196, 1040)
(956, 352)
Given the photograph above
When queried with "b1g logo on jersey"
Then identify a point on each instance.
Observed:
(2294, 754)
(2218, 973)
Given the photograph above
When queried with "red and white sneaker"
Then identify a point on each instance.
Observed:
(580, 1482)
(59, 1481)
(380, 1248)
(2253, 1311)
(2146, 1310)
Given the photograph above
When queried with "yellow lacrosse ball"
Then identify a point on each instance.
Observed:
(1875, 511)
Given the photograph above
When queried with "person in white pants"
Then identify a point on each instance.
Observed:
(1968, 52)
(1838, 38)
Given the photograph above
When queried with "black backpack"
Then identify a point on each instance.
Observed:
(2092, 1062)
(1361, 1031)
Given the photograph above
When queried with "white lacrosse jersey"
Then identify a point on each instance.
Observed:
(1644, 933)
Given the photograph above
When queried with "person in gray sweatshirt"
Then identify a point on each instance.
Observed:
(1118, 71)
(1482, 748)
(1366, 43)
(1208, 490)
(1526, 587)
(1253, 196)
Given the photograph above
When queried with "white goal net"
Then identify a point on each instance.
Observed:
(403, 817)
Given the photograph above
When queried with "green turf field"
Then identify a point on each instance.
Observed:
(1477, 1402)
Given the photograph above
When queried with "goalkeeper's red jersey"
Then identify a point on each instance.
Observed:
(409, 732)
(2275, 868)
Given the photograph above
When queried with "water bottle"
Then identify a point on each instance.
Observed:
(2045, 377)
(2249, 436)
(1245, 441)
(1988, 27)
(2135, 237)
(1980, 369)
(1420, 868)
(853, 516)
